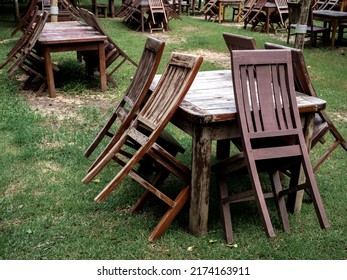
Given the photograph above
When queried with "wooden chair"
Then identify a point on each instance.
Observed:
(328, 5)
(272, 137)
(132, 15)
(155, 115)
(158, 19)
(239, 42)
(28, 60)
(71, 9)
(31, 11)
(133, 97)
(312, 30)
(323, 124)
(247, 6)
(114, 55)
(211, 10)
(255, 15)
(23, 40)
(279, 16)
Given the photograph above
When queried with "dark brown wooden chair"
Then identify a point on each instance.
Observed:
(323, 124)
(114, 55)
(279, 17)
(133, 97)
(157, 19)
(255, 15)
(31, 11)
(155, 115)
(29, 60)
(211, 10)
(272, 137)
(239, 42)
(23, 40)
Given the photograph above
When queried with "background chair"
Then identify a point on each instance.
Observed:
(158, 19)
(114, 55)
(323, 124)
(239, 42)
(272, 137)
(155, 115)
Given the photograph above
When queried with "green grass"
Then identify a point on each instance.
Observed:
(47, 213)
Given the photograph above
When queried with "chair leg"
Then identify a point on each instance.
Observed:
(260, 200)
(280, 202)
(225, 211)
(168, 217)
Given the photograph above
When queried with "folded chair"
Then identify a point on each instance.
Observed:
(211, 10)
(30, 12)
(113, 53)
(157, 19)
(323, 124)
(272, 137)
(255, 15)
(239, 42)
(279, 16)
(23, 40)
(155, 115)
(134, 96)
(28, 60)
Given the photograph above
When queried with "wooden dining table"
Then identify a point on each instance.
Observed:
(333, 17)
(208, 113)
(71, 36)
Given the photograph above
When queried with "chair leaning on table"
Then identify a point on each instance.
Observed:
(272, 139)
(29, 60)
(135, 96)
(155, 115)
(113, 53)
(239, 42)
(31, 11)
(323, 124)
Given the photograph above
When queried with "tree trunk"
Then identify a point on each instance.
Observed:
(304, 14)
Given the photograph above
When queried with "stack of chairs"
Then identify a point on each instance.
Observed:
(25, 55)
(114, 55)
(141, 135)
(31, 11)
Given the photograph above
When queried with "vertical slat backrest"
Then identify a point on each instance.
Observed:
(145, 71)
(302, 78)
(239, 42)
(264, 90)
(170, 90)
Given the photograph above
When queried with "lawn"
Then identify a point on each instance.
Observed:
(47, 213)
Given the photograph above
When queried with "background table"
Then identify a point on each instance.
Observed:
(208, 113)
(71, 36)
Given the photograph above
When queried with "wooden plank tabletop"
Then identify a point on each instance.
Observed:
(67, 32)
(211, 98)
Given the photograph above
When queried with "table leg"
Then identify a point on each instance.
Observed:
(49, 71)
(200, 184)
(142, 20)
(102, 66)
(267, 24)
(333, 32)
(111, 7)
(220, 12)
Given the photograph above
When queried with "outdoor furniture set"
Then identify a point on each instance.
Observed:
(224, 106)
(207, 110)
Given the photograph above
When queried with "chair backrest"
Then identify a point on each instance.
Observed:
(301, 76)
(264, 94)
(145, 72)
(328, 5)
(239, 42)
(281, 11)
(170, 91)
(31, 10)
(35, 34)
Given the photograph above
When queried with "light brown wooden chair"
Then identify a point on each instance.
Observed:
(272, 137)
(157, 19)
(323, 124)
(154, 116)
(114, 55)
(132, 99)
(211, 10)
(239, 42)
